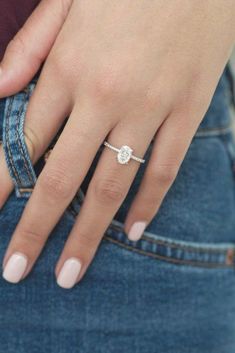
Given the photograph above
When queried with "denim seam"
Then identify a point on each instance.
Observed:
(170, 259)
(26, 96)
(182, 247)
(207, 132)
(9, 154)
(174, 245)
(18, 141)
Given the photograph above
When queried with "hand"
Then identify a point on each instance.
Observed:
(129, 70)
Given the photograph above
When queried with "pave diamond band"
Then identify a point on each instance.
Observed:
(124, 154)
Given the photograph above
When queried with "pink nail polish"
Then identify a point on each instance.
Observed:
(15, 268)
(136, 231)
(69, 273)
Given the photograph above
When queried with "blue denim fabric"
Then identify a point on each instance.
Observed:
(171, 292)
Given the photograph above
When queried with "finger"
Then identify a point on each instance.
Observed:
(106, 192)
(5, 180)
(31, 45)
(56, 186)
(170, 146)
(47, 109)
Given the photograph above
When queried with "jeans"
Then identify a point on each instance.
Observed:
(173, 291)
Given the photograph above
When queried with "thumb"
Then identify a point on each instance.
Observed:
(29, 48)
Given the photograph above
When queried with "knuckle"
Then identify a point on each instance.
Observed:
(165, 174)
(195, 100)
(154, 98)
(109, 191)
(149, 201)
(64, 68)
(109, 85)
(30, 238)
(56, 183)
(88, 239)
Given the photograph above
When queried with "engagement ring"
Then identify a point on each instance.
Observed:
(124, 154)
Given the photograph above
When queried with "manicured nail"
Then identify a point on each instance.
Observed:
(15, 268)
(136, 231)
(69, 273)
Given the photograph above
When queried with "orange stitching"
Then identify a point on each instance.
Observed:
(25, 189)
(230, 257)
(176, 246)
(169, 259)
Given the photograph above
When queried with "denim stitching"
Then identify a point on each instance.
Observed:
(184, 247)
(13, 169)
(174, 245)
(170, 259)
(207, 132)
(18, 139)
(25, 189)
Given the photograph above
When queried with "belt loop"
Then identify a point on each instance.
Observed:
(15, 149)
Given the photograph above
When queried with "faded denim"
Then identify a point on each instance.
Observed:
(171, 292)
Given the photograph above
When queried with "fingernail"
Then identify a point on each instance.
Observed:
(15, 268)
(69, 273)
(136, 231)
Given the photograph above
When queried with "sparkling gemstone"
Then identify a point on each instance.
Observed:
(124, 154)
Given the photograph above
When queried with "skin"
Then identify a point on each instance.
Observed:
(125, 71)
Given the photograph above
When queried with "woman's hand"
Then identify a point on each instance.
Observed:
(125, 69)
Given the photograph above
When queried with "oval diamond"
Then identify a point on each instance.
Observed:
(124, 154)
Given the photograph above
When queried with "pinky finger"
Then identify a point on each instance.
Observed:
(169, 149)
